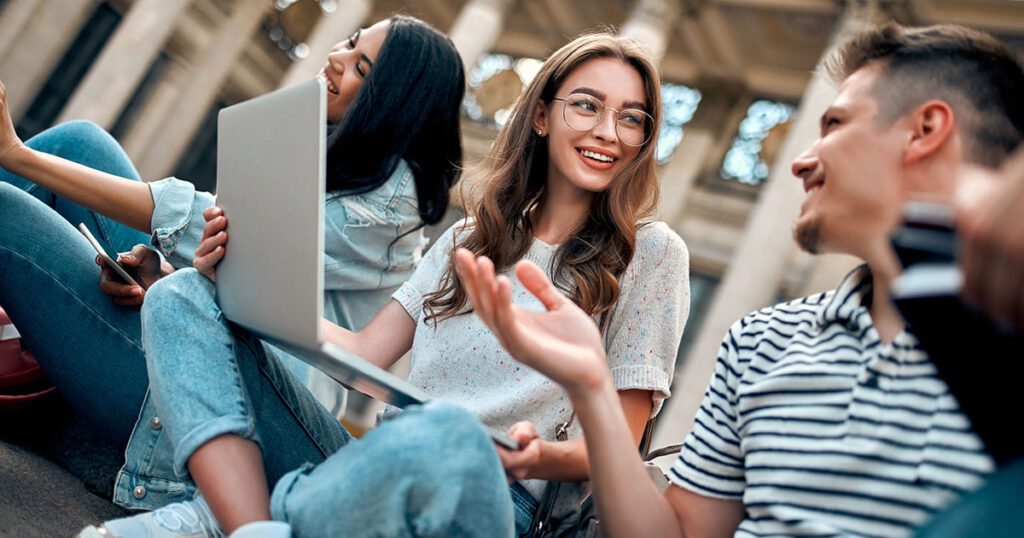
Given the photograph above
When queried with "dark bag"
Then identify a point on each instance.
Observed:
(588, 525)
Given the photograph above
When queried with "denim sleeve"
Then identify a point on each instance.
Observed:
(177, 219)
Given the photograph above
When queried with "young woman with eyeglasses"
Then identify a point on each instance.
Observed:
(393, 95)
(568, 184)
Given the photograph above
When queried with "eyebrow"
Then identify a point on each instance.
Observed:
(829, 112)
(355, 40)
(602, 96)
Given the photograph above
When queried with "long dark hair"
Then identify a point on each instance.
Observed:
(407, 108)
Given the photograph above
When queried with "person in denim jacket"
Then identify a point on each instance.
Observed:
(569, 184)
(392, 158)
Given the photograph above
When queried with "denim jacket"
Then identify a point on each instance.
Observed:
(363, 265)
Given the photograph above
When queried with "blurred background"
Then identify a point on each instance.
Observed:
(741, 93)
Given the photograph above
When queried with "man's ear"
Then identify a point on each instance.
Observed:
(932, 125)
(540, 118)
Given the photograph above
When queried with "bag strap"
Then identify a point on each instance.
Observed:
(541, 523)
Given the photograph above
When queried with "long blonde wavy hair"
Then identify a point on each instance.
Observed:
(588, 265)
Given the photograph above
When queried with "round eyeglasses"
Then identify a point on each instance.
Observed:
(583, 112)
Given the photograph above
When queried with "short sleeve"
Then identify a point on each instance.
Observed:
(177, 221)
(643, 334)
(711, 462)
(427, 275)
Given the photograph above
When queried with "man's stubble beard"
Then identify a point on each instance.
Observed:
(808, 235)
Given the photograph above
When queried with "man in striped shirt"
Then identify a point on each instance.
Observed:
(823, 417)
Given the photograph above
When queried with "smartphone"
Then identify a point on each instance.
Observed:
(106, 258)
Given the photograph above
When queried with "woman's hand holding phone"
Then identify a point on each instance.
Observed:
(211, 246)
(518, 464)
(144, 264)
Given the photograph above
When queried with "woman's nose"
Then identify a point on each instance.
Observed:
(605, 129)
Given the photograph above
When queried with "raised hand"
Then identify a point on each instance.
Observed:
(9, 141)
(562, 343)
(990, 220)
(211, 246)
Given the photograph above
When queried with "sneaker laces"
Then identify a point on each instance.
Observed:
(188, 516)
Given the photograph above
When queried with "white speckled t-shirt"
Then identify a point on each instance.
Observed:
(462, 362)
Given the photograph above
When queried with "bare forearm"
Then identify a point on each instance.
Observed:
(564, 461)
(123, 200)
(382, 342)
(350, 341)
(628, 502)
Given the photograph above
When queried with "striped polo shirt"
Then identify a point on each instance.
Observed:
(821, 429)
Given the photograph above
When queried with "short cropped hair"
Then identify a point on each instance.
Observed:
(981, 79)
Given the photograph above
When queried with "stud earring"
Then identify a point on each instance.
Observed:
(540, 132)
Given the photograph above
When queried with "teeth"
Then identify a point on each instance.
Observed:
(597, 156)
(330, 85)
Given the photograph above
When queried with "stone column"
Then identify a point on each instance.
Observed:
(33, 52)
(330, 29)
(13, 19)
(477, 28)
(109, 84)
(759, 261)
(826, 272)
(214, 65)
(705, 139)
(650, 23)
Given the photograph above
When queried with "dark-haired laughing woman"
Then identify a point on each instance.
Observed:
(394, 91)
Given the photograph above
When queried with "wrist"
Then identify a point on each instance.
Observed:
(595, 394)
(13, 154)
(592, 382)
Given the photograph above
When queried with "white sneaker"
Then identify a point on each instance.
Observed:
(263, 529)
(189, 519)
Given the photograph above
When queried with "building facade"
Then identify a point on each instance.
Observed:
(742, 99)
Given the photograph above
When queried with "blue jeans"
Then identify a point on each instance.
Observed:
(432, 471)
(992, 511)
(49, 284)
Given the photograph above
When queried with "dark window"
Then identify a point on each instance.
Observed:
(70, 71)
(702, 292)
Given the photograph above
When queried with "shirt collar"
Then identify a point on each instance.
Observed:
(849, 301)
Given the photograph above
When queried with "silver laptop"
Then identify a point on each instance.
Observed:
(271, 184)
